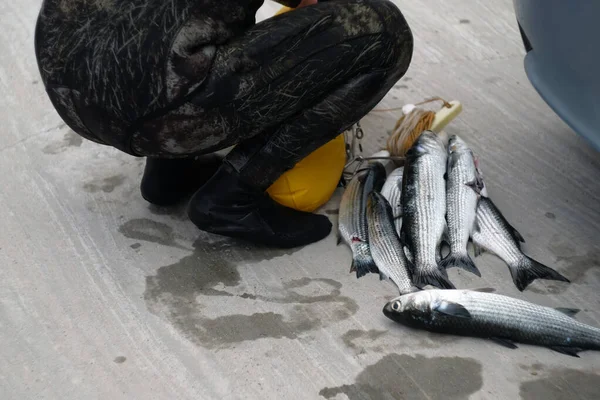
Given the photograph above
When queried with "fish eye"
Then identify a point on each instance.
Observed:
(396, 305)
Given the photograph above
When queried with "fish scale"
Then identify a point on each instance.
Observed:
(352, 225)
(462, 192)
(493, 316)
(385, 245)
(424, 208)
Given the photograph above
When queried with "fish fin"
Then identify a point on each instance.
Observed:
(338, 238)
(478, 250)
(570, 351)
(452, 309)
(484, 290)
(527, 270)
(505, 342)
(517, 236)
(571, 312)
(363, 265)
(437, 278)
(383, 276)
(461, 261)
(474, 184)
(445, 176)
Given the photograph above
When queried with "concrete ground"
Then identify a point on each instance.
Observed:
(105, 297)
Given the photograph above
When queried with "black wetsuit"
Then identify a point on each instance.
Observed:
(178, 78)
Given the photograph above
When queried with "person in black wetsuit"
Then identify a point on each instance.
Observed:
(174, 79)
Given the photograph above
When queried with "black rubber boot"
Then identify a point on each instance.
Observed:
(168, 181)
(227, 206)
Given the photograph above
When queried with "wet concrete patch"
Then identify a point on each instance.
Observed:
(404, 377)
(120, 359)
(70, 139)
(563, 384)
(136, 246)
(361, 340)
(177, 292)
(464, 21)
(575, 266)
(550, 215)
(150, 231)
(533, 369)
(106, 185)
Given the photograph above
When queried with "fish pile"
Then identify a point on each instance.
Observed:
(397, 226)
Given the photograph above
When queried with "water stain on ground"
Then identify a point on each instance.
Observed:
(70, 139)
(136, 246)
(360, 340)
(464, 21)
(533, 369)
(563, 384)
(120, 359)
(574, 264)
(150, 231)
(176, 292)
(570, 262)
(493, 80)
(404, 377)
(550, 215)
(106, 185)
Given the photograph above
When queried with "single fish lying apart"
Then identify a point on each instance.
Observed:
(424, 208)
(496, 235)
(463, 188)
(392, 191)
(385, 245)
(488, 315)
(353, 229)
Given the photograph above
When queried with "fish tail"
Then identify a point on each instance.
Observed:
(460, 260)
(363, 265)
(527, 270)
(435, 277)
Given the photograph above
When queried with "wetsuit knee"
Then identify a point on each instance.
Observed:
(396, 31)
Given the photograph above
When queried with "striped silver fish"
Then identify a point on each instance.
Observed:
(392, 191)
(385, 245)
(352, 225)
(494, 234)
(463, 188)
(424, 208)
(489, 315)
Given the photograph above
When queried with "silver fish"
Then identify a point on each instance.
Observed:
(496, 235)
(385, 245)
(424, 208)
(463, 187)
(353, 229)
(392, 191)
(489, 315)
